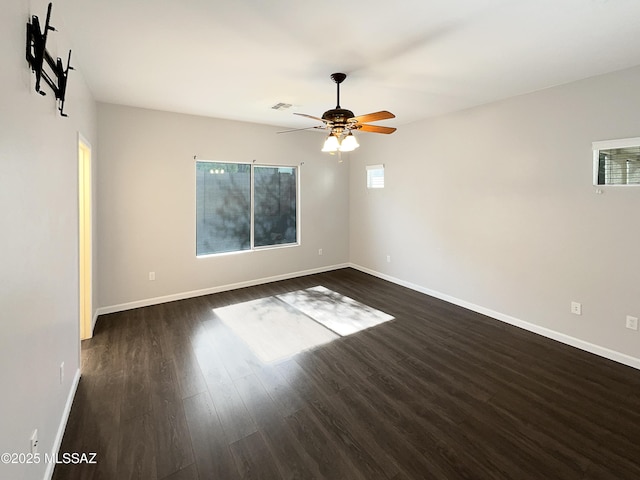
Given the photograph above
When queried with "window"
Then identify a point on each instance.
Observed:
(616, 162)
(375, 176)
(242, 207)
(274, 215)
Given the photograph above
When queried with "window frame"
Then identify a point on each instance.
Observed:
(252, 247)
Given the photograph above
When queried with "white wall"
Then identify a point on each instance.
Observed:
(147, 204)
(39, 326)
(494, 207)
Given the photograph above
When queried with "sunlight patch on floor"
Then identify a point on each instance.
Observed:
(280, 326)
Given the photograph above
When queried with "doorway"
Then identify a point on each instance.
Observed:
(85, 238)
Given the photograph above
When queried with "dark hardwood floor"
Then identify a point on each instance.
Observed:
(169, 393)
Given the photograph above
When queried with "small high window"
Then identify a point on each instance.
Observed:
(375, 176)
(616, 162)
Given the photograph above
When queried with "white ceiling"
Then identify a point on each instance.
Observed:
(235, 59)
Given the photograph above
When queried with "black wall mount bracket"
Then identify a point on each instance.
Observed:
(42, 63)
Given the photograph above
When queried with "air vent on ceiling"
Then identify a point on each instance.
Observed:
(282, 106)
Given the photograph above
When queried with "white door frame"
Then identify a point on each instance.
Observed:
(85, 238)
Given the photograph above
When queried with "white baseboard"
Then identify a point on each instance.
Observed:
(57, 442)
(532, 327)
(207, 291)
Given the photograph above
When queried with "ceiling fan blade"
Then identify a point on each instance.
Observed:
(373, 117)
(299, 129)
(375, 128)
(309, 116)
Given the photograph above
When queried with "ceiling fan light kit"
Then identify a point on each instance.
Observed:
(349, 143)
(331, 144)
(334, 144)
(341, 122)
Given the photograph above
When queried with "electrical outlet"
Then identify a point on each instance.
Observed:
(34, 442)
(319, 251)
(152, 276)
(632, 322)
(576, 308)
(388, 258)
(62, 373)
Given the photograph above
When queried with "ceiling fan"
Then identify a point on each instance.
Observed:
(341, 122)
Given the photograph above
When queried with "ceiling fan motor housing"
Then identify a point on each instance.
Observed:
(338, 115)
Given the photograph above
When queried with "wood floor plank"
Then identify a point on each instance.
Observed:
(321, 372)
(307, 387)
(411, 462)
(541, 452)
(234, 417)
(253, 458)
(210, 447)
(342, 359)
(329, 457)
(234, 355)
(292, 461)
(422, 424)
(569, 431)
(76, 432)
(286, 398)
(135, 363)
(168, 392)
(427, 418)
(188, 372)
(258, 402)
(136, 450)
(361, 449)
(431, 371)
(105, 422)
(211, 366)
(189, 472)
(355, 442)
(173, 446)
